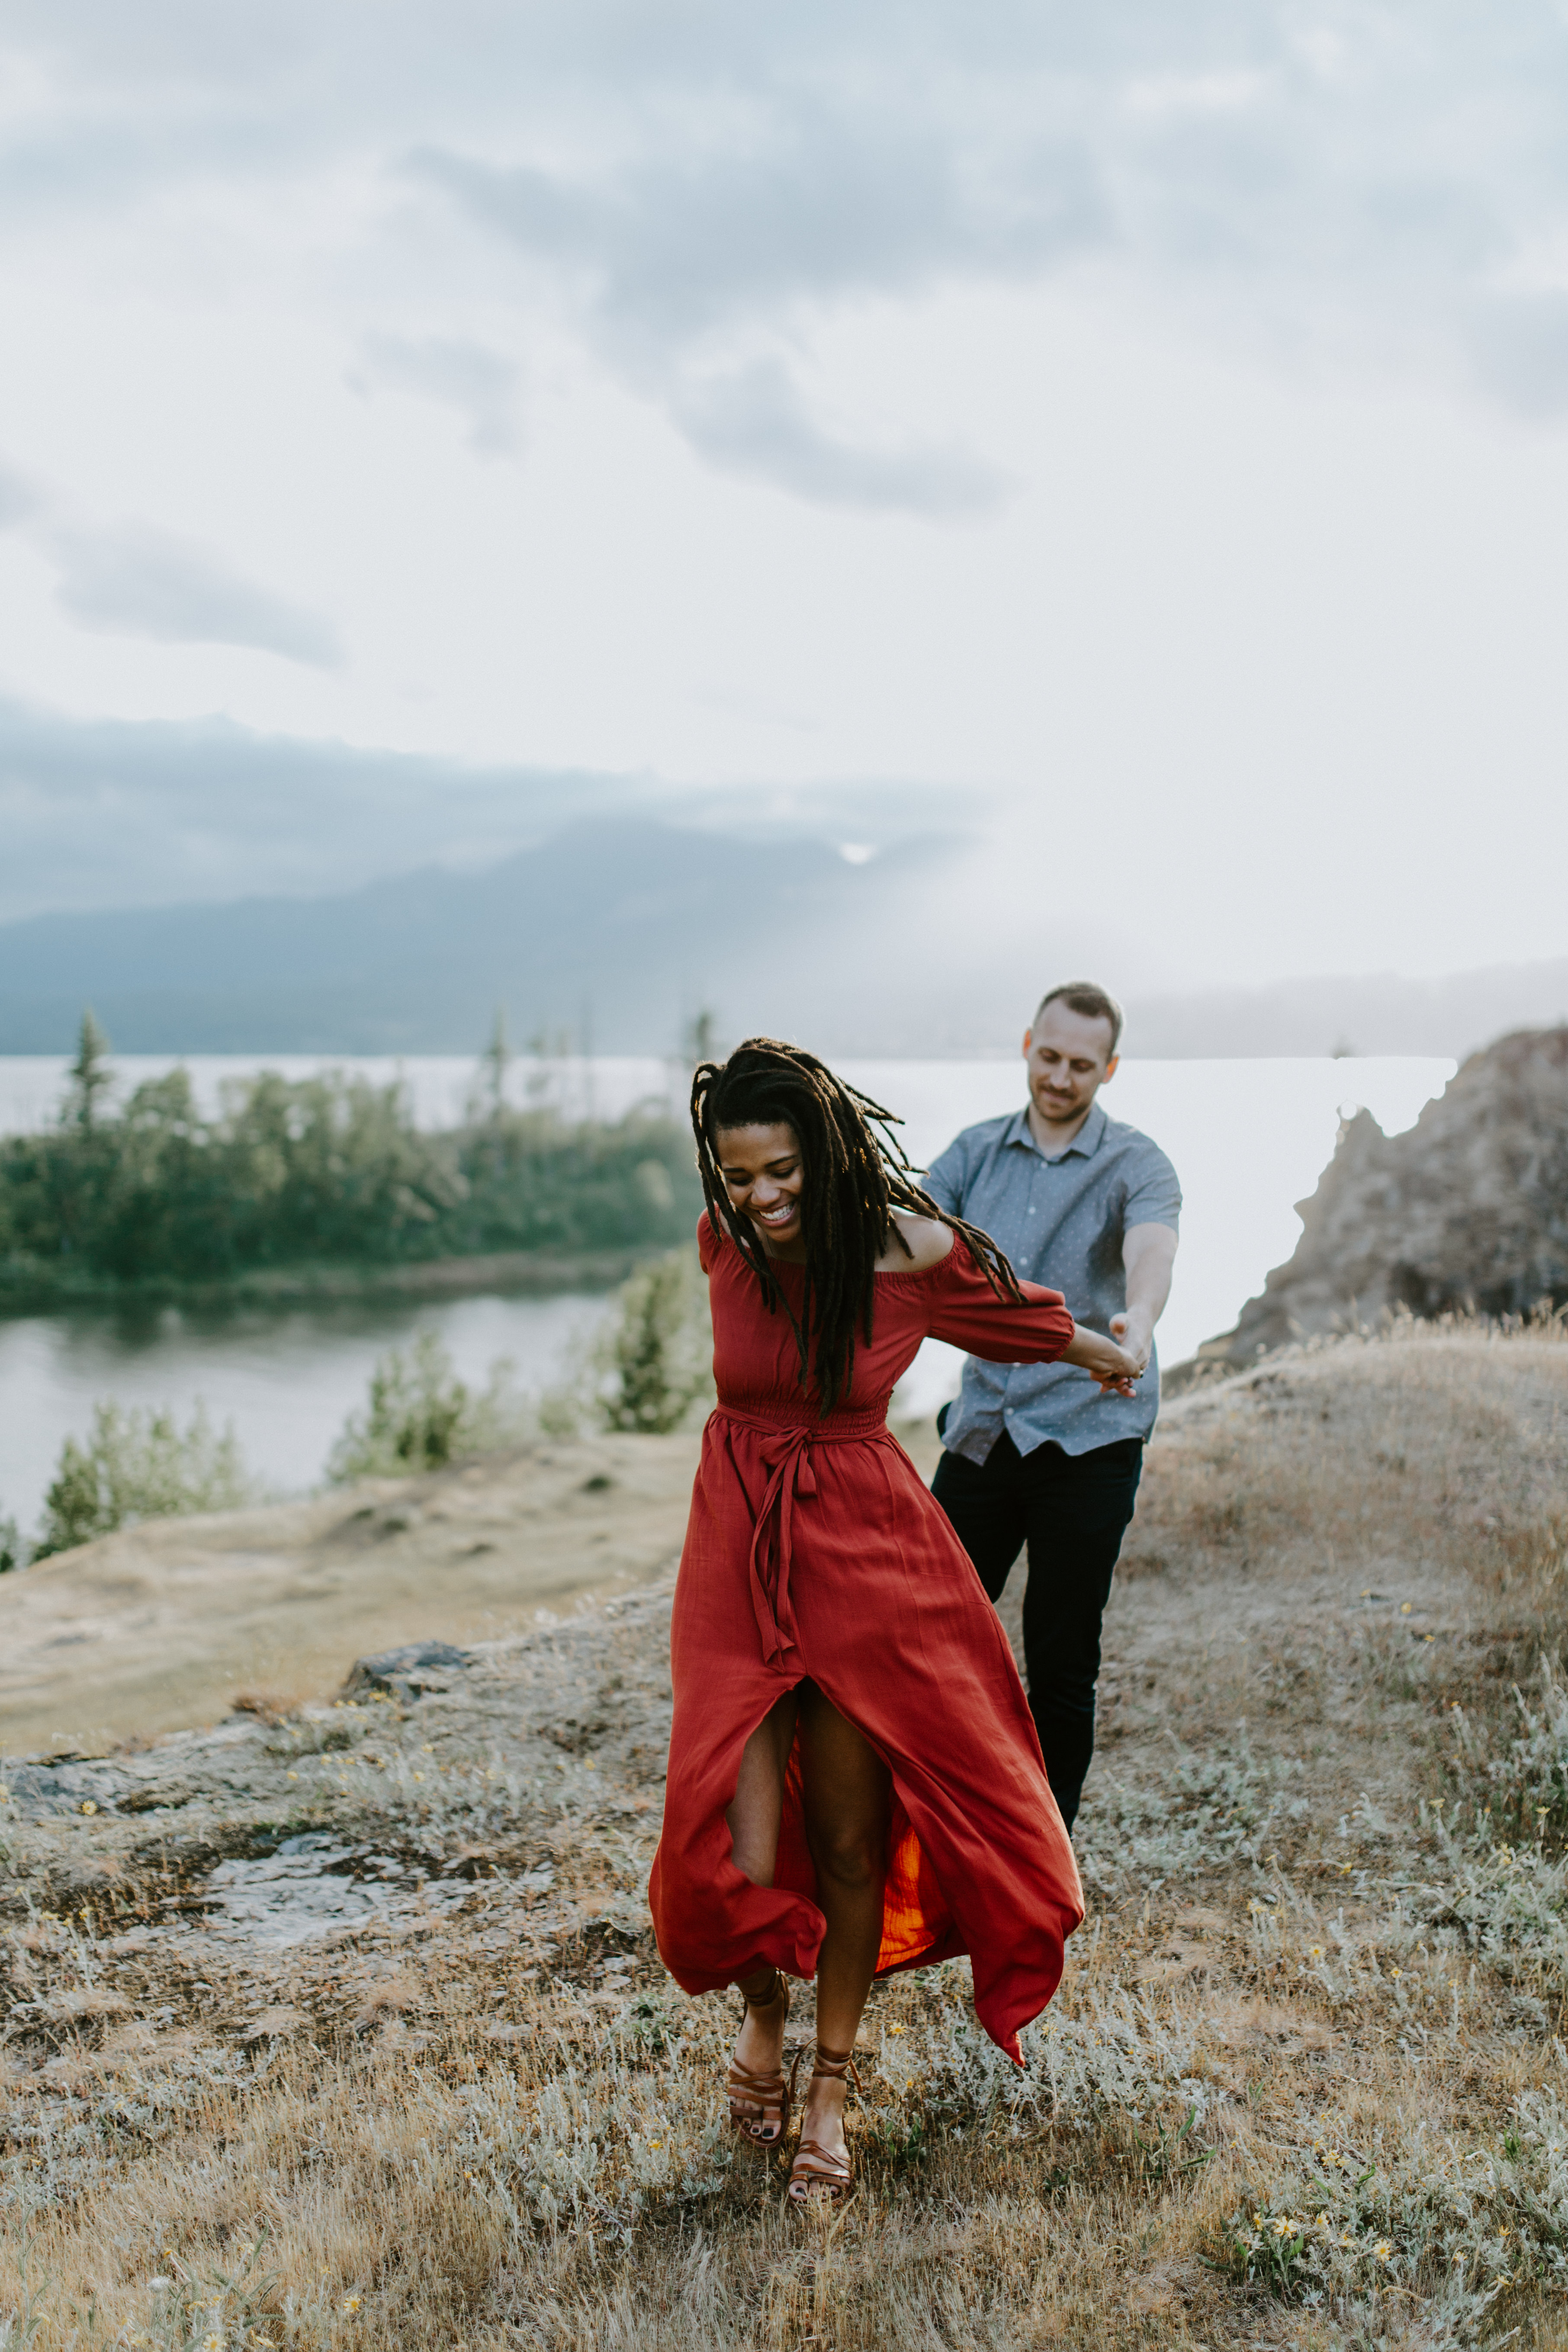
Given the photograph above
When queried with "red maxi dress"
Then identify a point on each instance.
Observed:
(815, 1550)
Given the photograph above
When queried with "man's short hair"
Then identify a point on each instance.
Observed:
(1086, 996)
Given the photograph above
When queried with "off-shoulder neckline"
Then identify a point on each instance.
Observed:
(884, 1273)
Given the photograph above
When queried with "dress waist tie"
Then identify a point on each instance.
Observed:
(787, 1456)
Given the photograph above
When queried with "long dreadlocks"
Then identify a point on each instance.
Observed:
(856, 1174)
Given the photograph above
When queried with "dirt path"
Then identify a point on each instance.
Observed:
(159, 1627)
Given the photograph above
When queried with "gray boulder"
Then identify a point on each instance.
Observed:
(407, 1673)
(1468, 1209)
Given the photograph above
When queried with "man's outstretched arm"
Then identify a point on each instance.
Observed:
(1147, 1253)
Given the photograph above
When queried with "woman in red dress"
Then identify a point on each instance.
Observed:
(854, 1782)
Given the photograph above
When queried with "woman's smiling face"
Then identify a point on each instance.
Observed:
(764, 1177)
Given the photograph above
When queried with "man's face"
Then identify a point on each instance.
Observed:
(1069, 1058)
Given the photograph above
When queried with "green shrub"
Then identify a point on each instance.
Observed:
(140, 1465)
(15, 1549)
(420, 1416)
(656, 1360)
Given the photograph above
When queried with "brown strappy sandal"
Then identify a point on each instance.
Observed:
(816, 2166)
(760, 2103)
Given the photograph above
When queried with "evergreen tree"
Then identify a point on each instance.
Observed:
(91, 1075)
(497, 1061)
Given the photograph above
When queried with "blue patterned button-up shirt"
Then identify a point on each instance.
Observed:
(1061, 1221)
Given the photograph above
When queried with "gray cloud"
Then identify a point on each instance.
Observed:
(483, 385)
(1345, 176)
(821, 202)
(111, 812)
(668, 261)
(19, 501)
(1520, 351)
(1381, 176)
(115, 812)
(755, 422)
(137, 581)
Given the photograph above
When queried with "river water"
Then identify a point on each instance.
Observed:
(1249, 1138)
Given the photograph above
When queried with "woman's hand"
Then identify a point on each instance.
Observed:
(1111, 1366)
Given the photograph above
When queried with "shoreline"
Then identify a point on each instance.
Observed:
(37, 1292)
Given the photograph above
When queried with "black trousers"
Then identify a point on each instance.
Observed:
(1072, 1511)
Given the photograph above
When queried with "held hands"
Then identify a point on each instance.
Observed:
(1134, 1338)
(1111, 1366)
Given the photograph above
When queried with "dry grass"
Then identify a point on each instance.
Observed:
(1305, 2085)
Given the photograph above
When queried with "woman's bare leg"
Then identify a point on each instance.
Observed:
(848, 1791)
(753, 1817)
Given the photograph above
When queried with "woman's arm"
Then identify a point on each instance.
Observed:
(1111, 1366)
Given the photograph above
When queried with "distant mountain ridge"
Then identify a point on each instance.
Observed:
(619, 929)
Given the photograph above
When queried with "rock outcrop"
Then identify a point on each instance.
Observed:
(1467, 1210)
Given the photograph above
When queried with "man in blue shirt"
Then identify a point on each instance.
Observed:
(1035, 1455)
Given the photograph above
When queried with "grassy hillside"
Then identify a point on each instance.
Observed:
(1304, 2085)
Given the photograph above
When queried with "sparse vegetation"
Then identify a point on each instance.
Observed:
(326, 1171)
(655, 1361)
(140, 1465)
(420, 1416)
(1304, 2085)
(645, 1371)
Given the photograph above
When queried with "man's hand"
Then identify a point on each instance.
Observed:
(1103, 1360)
(1135, 1337)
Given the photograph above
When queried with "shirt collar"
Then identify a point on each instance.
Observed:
(1086, 1142)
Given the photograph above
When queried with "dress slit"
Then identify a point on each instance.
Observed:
(815, 1552)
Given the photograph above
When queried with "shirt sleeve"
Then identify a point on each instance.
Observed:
(944, 1178)
(968, 1314)
(707, 1242)
(1154, 1197)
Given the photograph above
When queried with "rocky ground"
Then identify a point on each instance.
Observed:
(340, 2022)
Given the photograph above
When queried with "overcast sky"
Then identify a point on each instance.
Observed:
(1136, 436)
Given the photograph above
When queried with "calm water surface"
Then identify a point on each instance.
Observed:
(1248, 1138)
